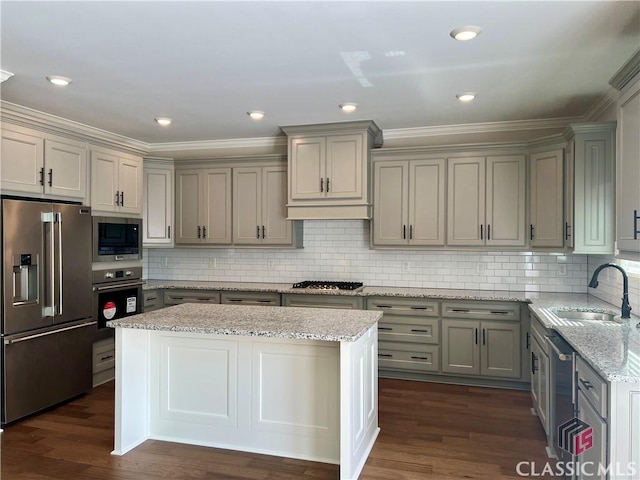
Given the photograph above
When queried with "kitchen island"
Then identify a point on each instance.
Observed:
(293, 382)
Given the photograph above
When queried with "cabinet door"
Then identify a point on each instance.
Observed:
(247, 196)
(188, 210)
(466, 201)
(390, 204)
(500, 353)
(278, 230)
(22, 161)
(540, 382)
(546, 208)
(628, 171)
(344, 166)
(307, 157)
(460, 348)
(505, 200)
(157, 203)
(216, 206)
(104, 181)
(426, 202)
(65, 169)
(130, 172)
(597, 454)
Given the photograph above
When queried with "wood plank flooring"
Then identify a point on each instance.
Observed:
(428, 431)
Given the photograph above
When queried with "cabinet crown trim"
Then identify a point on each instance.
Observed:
(627, 72)
(338, 128)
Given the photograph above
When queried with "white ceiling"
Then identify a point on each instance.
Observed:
(205, 64)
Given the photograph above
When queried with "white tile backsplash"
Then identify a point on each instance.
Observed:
(339, 250)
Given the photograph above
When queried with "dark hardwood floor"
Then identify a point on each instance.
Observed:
(429, 431)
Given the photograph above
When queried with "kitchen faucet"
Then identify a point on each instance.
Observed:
(626, 308)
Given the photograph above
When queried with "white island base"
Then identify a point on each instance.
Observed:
(306, 399)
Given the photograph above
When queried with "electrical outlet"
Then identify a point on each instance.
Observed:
(562, 269)
(481, 268)
(271, 263)
(213, 263)
(405, 266)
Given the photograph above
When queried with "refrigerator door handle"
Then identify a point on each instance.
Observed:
(10, 341)
(48, 217)
(59, 222)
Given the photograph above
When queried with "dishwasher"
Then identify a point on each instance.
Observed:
(563, 393)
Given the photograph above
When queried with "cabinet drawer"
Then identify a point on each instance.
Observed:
(250, 298)
(104, 355)
(323, 301)
(174, 297)
(482, 310)
(592, 386)
(151, 300)
(398, 356)
(409, 329)
(404, 306)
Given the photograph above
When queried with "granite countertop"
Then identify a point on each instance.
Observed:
(612, 348)
(325, 324)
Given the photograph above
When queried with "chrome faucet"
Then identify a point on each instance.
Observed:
(626, 308)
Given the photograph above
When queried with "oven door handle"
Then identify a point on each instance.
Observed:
(118, 286)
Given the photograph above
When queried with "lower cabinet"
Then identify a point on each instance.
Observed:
(104, 361)
(475, 347)
(152, 300)
(175, 297)
(250, 298)
(322, 301)
(540, 383)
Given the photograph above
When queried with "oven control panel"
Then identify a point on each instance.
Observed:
(113, 276)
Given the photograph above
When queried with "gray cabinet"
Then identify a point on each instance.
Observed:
(481, 339)
(157, 203)
(546, 207)
(203, 206)
(590, 224)
(322, 301)
(540, 374)
(178, 296)
(152, 300)
(328, 170)
(409, 202)
(628, 171)
(104, 361)
(486, 201)
(408, 334)
(250, 298)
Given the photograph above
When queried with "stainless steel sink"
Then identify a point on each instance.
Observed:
(584, 315)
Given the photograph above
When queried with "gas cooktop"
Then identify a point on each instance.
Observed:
(328, 285)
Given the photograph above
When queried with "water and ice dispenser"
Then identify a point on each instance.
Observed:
(25, 278)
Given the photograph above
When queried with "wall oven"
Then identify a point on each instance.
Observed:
(116, 294)
(117, 238)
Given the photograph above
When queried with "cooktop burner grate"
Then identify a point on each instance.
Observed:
(328, 285)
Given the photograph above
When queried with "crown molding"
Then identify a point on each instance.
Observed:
(626, 72)
(487, 127)
(212, 145)
(601, 105)
(28, 117)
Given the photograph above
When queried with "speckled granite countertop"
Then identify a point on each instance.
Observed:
(611, 348)
(276, 322)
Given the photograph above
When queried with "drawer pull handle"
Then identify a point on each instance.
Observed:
(385, 355)
(102, 359)
(587, 384)
(385, 306)
(204, 299)
(500, 312)
(152, 298)
(385, 328)
(420, 331)
(463, 310)
(177, 298)
(265, 301)
(234, 299)
(419, 358)
(419, 308)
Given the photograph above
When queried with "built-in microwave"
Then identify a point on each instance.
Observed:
(117, 238)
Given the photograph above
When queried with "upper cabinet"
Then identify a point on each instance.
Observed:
(328, 170)
(157, 203)
(628, 170)
(259, 206)
(546, 207)
(409, 202)
(486, 201)
(116, 182)
(203, 206)
(591, 177)
(37, 163)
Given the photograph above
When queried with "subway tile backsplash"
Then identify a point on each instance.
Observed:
(339, 250)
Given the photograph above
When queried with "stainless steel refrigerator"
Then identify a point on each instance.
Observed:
(47, 329)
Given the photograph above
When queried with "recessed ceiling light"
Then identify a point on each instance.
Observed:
(348, 107)
(468, 32)
(256, 114)
(58, 80)
(466, 97)
(163, 121)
